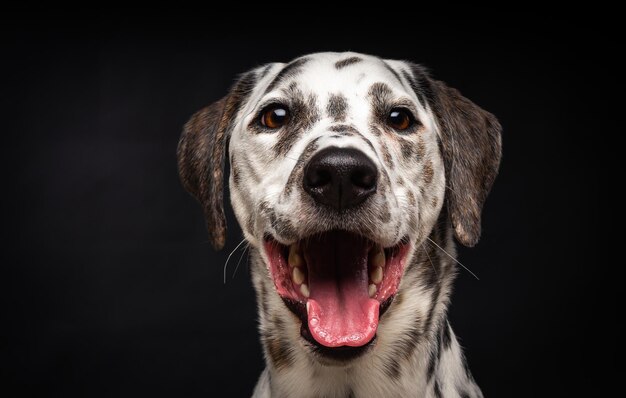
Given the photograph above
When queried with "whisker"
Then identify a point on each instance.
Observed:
(455, 260)
(430, 260)
(246, 247)
(230, 255)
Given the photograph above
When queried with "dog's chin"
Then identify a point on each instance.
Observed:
(339, 284)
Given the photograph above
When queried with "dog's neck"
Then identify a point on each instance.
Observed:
(416, 352)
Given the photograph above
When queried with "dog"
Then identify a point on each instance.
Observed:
(350, 176)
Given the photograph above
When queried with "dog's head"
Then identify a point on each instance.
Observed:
(340, 165)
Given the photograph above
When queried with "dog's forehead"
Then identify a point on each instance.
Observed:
(349, 74)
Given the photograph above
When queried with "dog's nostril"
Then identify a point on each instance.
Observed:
(318, 178)
(340, 177)
(363, 178)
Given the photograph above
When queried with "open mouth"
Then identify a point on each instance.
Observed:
(338, 283)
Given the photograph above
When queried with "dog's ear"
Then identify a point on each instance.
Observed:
(202, 152)
(471, 144)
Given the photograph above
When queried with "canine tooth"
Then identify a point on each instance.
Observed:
(297, 275)
(379, 258)
(377, 275)
(304, 289)
(294, 257)
(371, 290)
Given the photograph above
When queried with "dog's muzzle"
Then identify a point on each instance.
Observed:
(338, 282)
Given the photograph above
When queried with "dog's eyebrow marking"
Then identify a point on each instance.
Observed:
(290, 70)
(347, 61)
(337, 107)
(393, 71)
(420, 84)
(380, 95)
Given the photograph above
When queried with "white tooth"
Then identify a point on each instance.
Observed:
(379, 258)
(304, 289)
(308, 307)
(294, 257)
(297, 275)
(377, 275)
(371, 289)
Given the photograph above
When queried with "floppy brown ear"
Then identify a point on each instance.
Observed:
(471, 144)
(202, 152)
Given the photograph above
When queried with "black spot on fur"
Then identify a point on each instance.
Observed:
(385, 215)
(344, 129)
(375, 130)
(411, 197)
(428, 172)
(433, 360)
(421, 148)
(279, 352)
(347, 61)
(437, 389)
(407, 149)
(337, 107)
(392, 369)
(434, 300)
(387, 156)
(351, 394)
(446, 338)
(290, 70)
(413, 336)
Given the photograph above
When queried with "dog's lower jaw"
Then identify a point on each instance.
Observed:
(415, 352)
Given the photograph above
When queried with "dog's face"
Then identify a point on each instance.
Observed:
(339, 168)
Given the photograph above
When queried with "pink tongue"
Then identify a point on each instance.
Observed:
(340, 312)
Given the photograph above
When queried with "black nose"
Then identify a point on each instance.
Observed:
(340, 177)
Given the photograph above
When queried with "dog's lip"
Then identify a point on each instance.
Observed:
(298, 300)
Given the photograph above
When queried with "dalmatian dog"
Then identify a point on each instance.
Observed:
(350, 176)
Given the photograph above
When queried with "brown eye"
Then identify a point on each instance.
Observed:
(274, 116)
(400, 119)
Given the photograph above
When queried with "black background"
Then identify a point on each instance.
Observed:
(109, 285)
